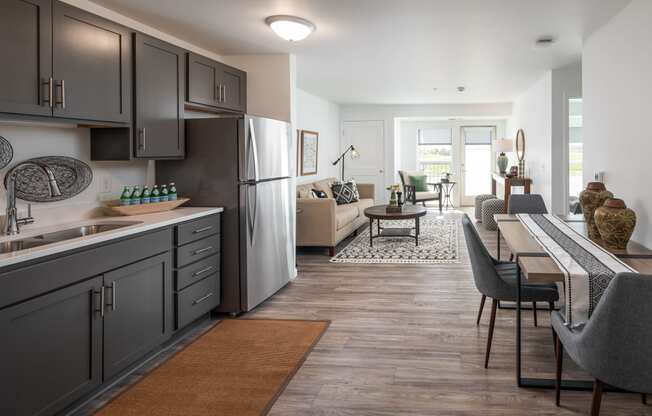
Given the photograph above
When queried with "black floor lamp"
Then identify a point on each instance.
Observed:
(354, 155)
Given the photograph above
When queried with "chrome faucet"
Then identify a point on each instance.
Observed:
(12, 222)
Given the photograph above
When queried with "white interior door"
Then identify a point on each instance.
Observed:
(368, 138)
(476, 162)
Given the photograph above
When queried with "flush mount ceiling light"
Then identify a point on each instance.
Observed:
(290, 28)
(461, 89)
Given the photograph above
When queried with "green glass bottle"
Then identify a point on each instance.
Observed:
(125, 198)
(164, 193)
(156, 195)
(145, 196)
(172, 195)
(135, 196)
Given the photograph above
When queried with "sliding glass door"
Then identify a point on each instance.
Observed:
(476, 161)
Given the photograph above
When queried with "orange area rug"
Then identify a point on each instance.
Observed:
(239, 367)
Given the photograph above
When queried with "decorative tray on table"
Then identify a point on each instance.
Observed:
(116, 208)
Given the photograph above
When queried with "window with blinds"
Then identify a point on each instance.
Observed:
(434, 152)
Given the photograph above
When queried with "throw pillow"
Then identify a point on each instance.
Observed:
(316, 193)
(303, 193)
(344, 193)
(419, 183)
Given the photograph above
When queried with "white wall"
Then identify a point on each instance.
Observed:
(390, 114)
(532, 113)
(52, 140)
(617, 87)
(134, 24)
(542, 112)
(317, 114)
(270, 82)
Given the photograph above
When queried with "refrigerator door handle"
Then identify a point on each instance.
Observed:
(253, 146)
(252, 212)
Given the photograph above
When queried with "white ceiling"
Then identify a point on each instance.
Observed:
(392, 51)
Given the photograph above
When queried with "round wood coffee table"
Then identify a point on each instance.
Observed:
(379, 212)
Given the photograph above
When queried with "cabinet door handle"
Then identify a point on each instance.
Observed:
(217, 93)
(142, 138)
(223, 93)
(201, 230)
(101, 303)
(62, 87)
(114, 287)
(203, 298)
(202, 271)
(202, 250)
(50, 92)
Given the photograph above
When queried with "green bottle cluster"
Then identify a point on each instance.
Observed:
(135, 196)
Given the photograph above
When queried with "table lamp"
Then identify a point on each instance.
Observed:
(502, 146)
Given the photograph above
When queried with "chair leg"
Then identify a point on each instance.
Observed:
(559, 354)
(554, 335)
(331, 251)
(511, 257)
(492, 322)
(644, 398)
(597, 398)
(534, 311)
(423, 203)
(484, 297)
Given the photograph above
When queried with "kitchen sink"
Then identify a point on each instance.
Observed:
(63, 235)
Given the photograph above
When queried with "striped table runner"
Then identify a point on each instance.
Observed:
(587, 267)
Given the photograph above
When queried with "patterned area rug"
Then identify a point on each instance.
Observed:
(437, 244)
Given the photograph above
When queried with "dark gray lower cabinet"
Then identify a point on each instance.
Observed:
(137, 315)
(50, 352)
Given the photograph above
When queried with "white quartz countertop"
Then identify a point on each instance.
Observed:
(140, 224)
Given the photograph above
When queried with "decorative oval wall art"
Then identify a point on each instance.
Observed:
(72, 175)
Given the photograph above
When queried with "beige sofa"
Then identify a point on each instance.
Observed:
(323, 223)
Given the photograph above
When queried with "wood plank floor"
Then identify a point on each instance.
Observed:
(403, 341)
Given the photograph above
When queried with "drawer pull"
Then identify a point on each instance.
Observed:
(202, 271)
(203, 298)
(201, 230)
(202, 250)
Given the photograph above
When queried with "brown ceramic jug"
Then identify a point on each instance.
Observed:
(590, 199)
(615, 222)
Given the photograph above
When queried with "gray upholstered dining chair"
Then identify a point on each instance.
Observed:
(526, 204)
(497, 280)
(615, 345)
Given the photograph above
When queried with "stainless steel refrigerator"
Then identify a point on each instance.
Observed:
(246, 165)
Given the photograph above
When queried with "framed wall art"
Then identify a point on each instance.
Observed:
(308, 152)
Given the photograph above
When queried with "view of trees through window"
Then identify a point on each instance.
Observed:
(434, 160)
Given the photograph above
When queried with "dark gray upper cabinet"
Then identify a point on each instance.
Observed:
(160, 94)
(203, 80)
(91, 66)
(64, 62)
(138, 311)
(213, 84)
(26, 48)
(51, 350)
(234, 89)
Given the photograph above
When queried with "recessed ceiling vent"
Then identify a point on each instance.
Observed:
(544, 42)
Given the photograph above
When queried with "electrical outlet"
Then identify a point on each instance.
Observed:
(105, 185)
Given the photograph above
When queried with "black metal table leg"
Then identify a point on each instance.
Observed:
(498, 249)
(416, 231)
(518, 323)
(371, 232)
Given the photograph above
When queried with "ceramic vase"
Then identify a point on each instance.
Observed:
(392, 199)
(615, 222)
(501, 162)
(590, 199)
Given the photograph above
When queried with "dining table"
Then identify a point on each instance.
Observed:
(534, 265)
